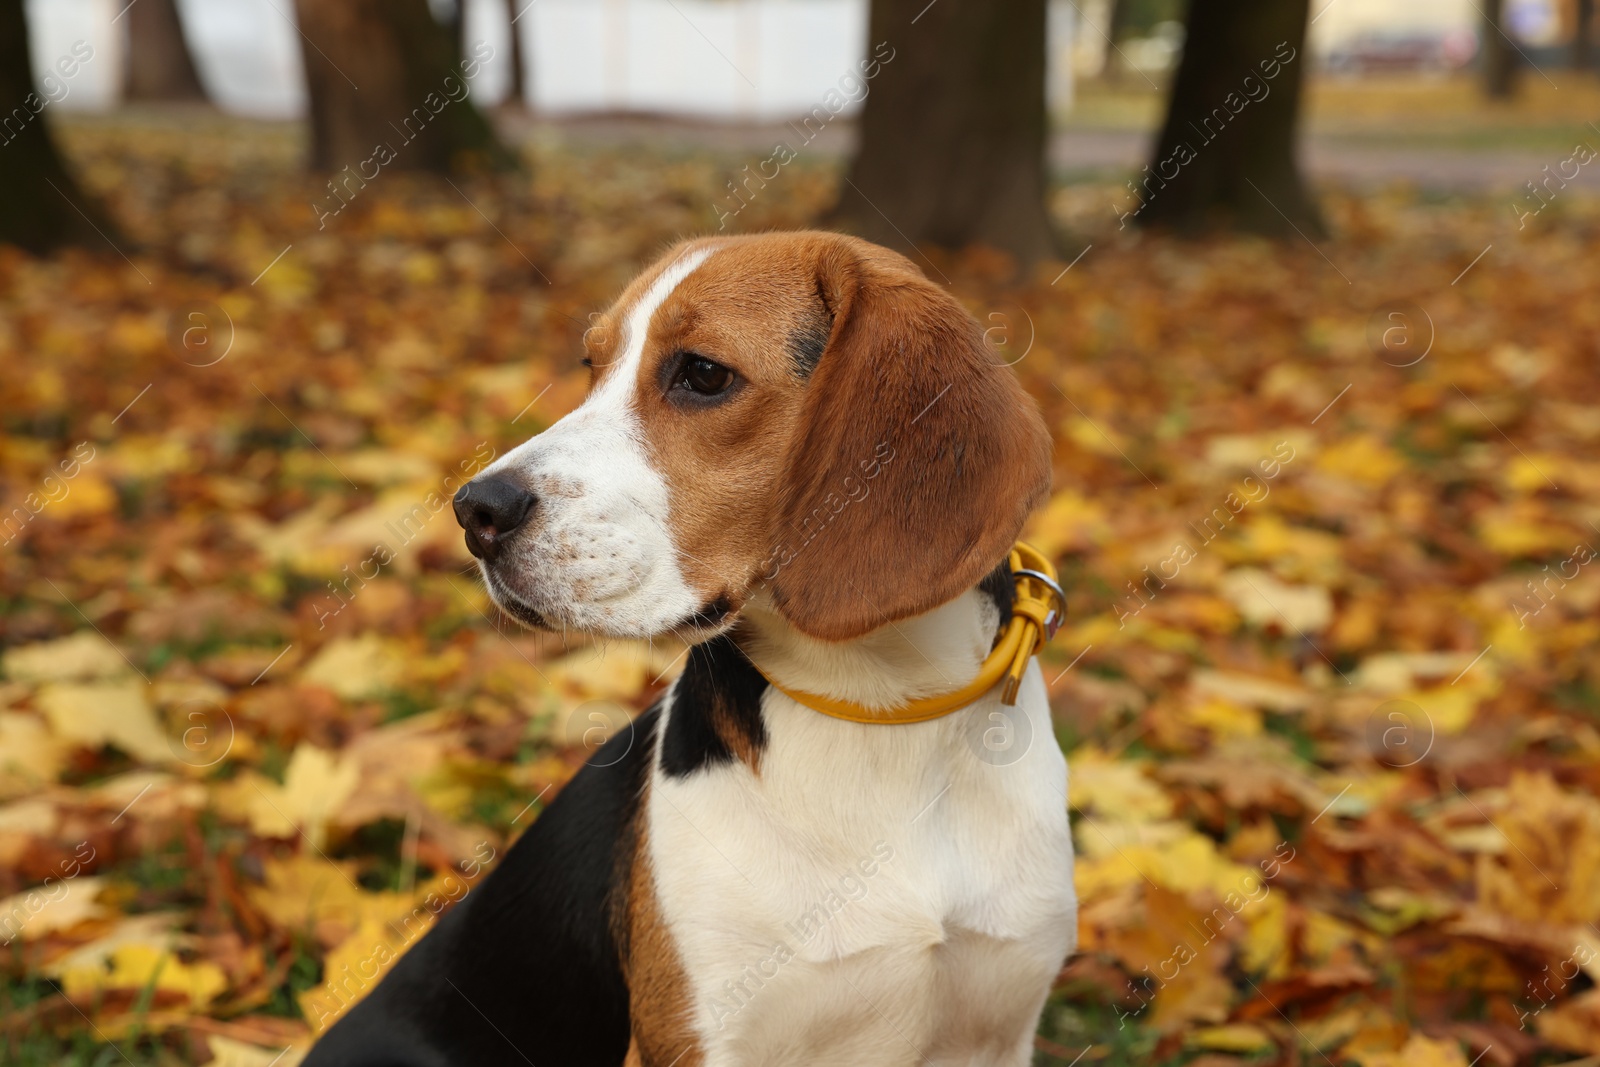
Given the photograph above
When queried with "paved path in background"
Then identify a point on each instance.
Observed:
(1346, 160)
(1117, 151)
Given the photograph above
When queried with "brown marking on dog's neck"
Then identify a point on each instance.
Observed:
(659, 1005)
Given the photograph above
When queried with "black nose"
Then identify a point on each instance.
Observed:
(489, 509)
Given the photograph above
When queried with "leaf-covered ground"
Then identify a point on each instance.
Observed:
(1327, 518)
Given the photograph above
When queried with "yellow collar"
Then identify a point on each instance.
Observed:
(1035, 615)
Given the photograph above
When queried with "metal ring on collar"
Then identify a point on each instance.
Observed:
(1047, 581)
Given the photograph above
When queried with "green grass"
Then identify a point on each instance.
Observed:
(35, 1046)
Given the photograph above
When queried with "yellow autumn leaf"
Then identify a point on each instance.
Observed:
(1522, 528)
(1249, 690)
(294, 540)
(87, 494)
(357, 667)
(612, 670)
(1265, 949)
(1515, 642)
(30, 756)
(1113, 788)
(1323, 935)
(1248, 451)
(303, 892)
(1069, 520)
(353, 969)
(138, 966)
(226, 1052)
(106, 713)
(1194, 864)
(1226, 719)
(1095, 436)
(60, 904)
(1265, 601)
(81, 655)
(315, 785)
(386, 466)
(1245, 1038)
(1293, 551)
(149, 456)
(1534, 473)
(1419, 1051)
(1449, 709)
(1362, 458)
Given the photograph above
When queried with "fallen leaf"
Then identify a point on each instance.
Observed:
(106, 713)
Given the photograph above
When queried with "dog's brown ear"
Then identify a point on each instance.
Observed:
(917, 459)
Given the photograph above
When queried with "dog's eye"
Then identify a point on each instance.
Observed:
(701, 375)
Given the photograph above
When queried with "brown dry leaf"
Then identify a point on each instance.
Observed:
(1551, 873)
(1183, 957)
(1251, 772)
(1573, 1025)
(390, 763)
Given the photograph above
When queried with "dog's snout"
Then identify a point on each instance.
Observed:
(489, 510)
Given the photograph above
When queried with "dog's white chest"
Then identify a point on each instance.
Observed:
(876, 894)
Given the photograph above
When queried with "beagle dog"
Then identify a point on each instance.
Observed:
(798, 455)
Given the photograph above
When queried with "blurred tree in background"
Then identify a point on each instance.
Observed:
(517, 88)
(1583, 32)
(1495, 53)
(953, 129)
(159, 64)
(41, 205)
(1226, 154)
(377, 71)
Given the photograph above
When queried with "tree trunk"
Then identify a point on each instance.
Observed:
(1116, 28)
(389, 93)
(953, 128)
(1226, 154)
(517, 93)
(1583, 31)
(1499, 61)
(40, 204)
(456, 26)
(160, 66)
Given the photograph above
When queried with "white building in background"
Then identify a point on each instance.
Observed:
(739, 60)
(725, 59)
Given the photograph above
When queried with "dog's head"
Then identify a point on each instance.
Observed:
(802, 413)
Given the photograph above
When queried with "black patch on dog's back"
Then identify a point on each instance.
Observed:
(527, 967)
(719, 692)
